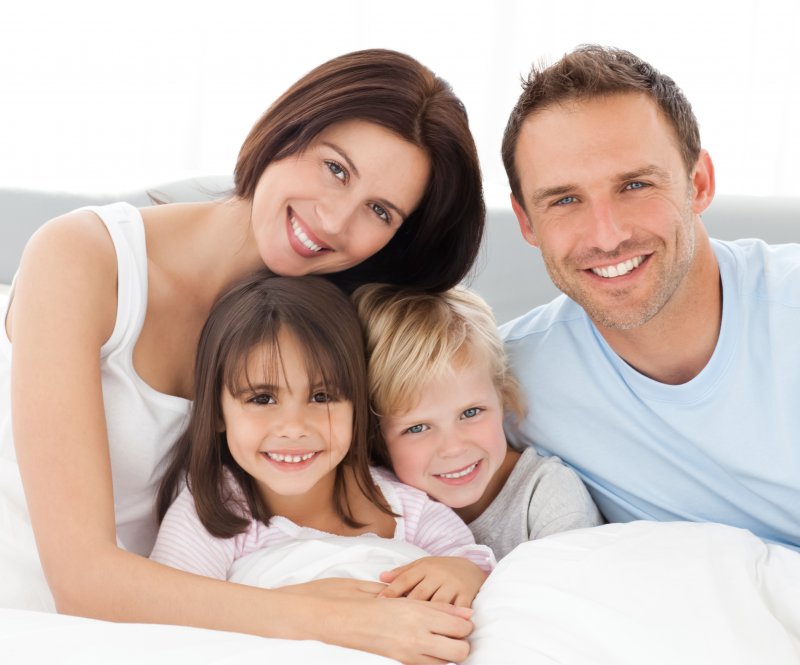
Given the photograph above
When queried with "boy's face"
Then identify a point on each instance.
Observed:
(451, 442)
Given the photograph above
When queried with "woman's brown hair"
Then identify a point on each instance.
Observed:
(248, 318)
(436, 246)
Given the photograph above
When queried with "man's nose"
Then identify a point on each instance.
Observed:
(605, 228)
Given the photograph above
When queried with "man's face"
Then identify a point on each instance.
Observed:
(607, 199)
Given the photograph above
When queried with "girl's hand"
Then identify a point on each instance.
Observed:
(447, 579)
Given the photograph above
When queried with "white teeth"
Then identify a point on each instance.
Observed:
(460, 474)
(620, 269)
(290, 459)
(302, 237)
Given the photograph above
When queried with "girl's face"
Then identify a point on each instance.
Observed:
(285, 430)
(451, 442)
(339, 201)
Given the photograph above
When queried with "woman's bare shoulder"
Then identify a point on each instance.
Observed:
(70, 262)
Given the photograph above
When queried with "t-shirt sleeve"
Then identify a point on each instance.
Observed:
(440, 532)
(560, 502)
(184, 543)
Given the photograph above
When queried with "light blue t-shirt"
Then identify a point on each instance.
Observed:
(724, 447)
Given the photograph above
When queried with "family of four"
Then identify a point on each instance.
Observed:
(209, 394)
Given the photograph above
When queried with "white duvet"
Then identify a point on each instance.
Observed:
(641, 594)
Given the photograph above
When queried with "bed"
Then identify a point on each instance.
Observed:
(619, 594)
(638, 593)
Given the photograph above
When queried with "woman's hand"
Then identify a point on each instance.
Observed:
(408, 630)
(447, 579)
(411, 631)
(338, 587)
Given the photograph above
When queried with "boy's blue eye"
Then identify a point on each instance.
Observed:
(471, 412)
(416, 429)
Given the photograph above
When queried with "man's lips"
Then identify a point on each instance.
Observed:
(612, 271)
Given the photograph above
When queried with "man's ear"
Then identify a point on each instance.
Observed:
(524, 223)
(703, 184)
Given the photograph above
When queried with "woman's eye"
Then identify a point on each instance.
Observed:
(381, 212)
(337, 170)
(262, 399)
(416, 429)
(471, 412)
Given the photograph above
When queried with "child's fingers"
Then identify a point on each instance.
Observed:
(425, 589)
(446, 594)
(390, 575)
(402, 584)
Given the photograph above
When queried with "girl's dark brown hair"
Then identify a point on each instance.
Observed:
(436, 246)
(248, 318)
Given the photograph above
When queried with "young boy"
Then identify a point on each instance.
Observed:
(441, 387)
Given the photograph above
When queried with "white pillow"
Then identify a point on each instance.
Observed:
(642, 593)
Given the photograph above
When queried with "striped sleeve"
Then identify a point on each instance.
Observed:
(184, 543)
(438, 530)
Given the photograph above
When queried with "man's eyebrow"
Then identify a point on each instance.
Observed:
(346, 159)
(540, 195)
(645, 171)
(544, 193)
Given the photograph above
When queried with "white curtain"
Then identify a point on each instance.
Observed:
(100, 96)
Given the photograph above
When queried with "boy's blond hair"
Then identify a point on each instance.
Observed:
(414, 338)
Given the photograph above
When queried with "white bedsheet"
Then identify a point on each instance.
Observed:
(364, 558)
(640, 593)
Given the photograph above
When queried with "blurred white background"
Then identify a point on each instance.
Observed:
(96, 96)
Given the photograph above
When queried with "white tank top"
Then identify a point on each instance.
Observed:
(142, 423)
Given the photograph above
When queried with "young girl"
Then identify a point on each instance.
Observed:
(275, 452)
(440, 383)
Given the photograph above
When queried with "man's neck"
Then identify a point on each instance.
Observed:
(676, 344)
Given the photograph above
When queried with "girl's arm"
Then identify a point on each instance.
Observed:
(457, 566)
(64, 309)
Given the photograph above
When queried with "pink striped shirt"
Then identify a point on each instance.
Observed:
(184, 543)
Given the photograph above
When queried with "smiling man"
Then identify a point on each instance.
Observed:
(669, 375)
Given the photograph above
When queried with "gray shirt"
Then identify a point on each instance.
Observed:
(541, 497)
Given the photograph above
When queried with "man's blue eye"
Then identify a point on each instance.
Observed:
(566, 200)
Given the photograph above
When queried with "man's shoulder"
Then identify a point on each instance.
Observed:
(769, 272)
(558, 313)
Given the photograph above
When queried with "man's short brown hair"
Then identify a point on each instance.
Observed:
(598, 71)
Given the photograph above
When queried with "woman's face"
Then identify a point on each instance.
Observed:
(339, 201)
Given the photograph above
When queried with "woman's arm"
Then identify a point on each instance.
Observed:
(64, 309)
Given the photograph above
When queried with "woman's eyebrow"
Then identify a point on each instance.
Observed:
(346, 159)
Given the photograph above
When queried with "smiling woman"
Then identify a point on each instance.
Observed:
(364, 162)
(339, 201)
